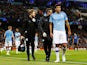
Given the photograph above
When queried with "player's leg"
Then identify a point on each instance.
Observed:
(32, 49)
(64, 45)
(56, 41)
(17, 43)
(57, 50)
(75, 46)
(7, 50)
(28, 53)
(16, 47)
(49, 49)
(3, 46)
(7, 47)
(10, 46)
(36, 42)
(0, 46)
(45, 43)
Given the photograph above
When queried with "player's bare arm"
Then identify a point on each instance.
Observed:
(68, 26)
(51, 34)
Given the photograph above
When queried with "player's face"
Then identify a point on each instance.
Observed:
(11, 28)
(58, 9)
(33, 14)
(75, 34)
(49, 12)
(17, 30)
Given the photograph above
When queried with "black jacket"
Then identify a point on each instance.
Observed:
(29, 28)
(44, 25)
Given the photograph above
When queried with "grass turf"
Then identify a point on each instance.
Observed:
(73, 58)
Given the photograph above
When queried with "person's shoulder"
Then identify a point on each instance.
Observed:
(15, 33)
(53, 14)
(19, 33)
(7, 31)
(11, 31)
(63, 12)
(42, 17)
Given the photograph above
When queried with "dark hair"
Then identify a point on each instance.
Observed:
(57, 5)
(48, 9)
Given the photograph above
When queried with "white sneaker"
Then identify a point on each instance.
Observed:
(1, 51)
(7, 54)
(63, 58)
(56, 61)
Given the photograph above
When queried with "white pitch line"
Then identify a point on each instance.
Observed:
(50, 61)
(76, 62)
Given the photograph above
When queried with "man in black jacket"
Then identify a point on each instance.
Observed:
(30, 30)
(44, 27)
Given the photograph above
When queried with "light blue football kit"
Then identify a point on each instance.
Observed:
(8, 39)
(59, 32)
(17, 36)
(58, 19)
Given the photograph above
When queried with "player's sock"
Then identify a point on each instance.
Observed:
(9, 48)
(36, 46)
(63, 55)
(16, 50)
(0, 49)
(36, 42)
(30, 49)
(7, 51)
(57, 54)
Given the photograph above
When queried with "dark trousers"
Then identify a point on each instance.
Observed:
(30, 42)
(47, 47)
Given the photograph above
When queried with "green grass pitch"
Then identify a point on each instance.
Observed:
(73, 58)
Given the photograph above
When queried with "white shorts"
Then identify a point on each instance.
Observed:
(17, 43)
(8, 43)
(59, 37)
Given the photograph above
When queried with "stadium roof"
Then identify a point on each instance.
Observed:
(79, 0)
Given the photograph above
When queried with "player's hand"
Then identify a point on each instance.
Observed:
(25, 32)
(22, 37)
(44, 34)
(51, 35)
(26, 39)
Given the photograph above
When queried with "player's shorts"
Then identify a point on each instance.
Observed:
(59, 37)
(8, 43)
(17, 43)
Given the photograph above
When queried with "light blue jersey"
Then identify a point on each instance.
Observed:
(17, 36)
(8, 35)
(58, 20)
